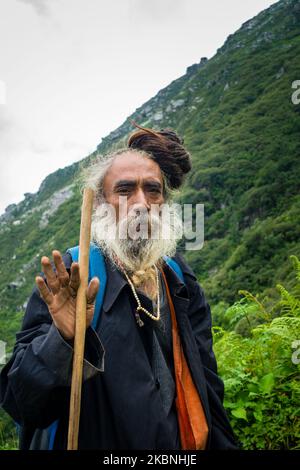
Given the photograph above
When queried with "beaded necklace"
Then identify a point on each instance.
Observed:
(139, 306)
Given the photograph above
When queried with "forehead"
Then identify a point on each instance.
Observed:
(132, 166)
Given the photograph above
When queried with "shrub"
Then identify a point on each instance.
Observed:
(261, 376)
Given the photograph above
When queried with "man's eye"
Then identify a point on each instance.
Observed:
(155, 190)
(123, 190)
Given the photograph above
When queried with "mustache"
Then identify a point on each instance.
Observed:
(140, 225)
(134, 225)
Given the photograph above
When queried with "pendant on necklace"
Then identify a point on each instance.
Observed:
(138, 319)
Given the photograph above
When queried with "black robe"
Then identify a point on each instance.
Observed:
(121, 403)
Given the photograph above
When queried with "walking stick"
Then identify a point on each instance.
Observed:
(80, 319)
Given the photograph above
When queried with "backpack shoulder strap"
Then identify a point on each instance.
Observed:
(96, 268)
(175, 266)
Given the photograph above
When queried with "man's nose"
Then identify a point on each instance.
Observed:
(140, 199)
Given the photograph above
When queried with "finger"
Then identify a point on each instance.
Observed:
(45, 293)
(90, 313)
(61, 271)
(74, 278)
(92, 290)
(52, 281)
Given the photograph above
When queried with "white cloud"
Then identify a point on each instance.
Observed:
(158, 10)
(41, 7)
(72, 80)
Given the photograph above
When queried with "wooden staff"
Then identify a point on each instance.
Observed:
(80, 319)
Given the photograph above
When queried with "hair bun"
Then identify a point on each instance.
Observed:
(170, 134)
(166, 148)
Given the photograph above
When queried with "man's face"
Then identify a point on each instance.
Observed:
(135, 177)
(139, 181)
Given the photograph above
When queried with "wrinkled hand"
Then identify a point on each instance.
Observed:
(60, 293)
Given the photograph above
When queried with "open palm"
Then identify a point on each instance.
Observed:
(59, 292)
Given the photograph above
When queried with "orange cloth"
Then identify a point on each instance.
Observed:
(191, 418)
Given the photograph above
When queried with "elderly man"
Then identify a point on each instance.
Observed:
(150, 375)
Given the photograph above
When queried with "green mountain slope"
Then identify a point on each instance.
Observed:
(242, 129)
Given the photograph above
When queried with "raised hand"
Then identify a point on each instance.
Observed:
(60, 293)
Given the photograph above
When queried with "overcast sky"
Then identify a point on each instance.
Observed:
(71, 71)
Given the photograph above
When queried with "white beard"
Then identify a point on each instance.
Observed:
(137, 253)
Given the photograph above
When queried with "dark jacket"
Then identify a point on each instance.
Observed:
(121, 404)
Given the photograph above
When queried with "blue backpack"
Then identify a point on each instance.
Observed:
(97, 268)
